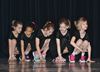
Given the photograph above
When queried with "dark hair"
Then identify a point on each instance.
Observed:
(31, 26)
(16, 22)
(48, 24)
(65, 21)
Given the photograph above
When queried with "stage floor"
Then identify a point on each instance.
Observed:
(49, 67)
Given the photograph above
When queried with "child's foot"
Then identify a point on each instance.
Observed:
(14, 58)
(72, 58)
(27, 58)
(82, 60)
(91, 61)
(44, 55)
(36, 57)
(10, 58)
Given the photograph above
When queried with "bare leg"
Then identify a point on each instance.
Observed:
(75, 52)
(12, 47)
(46, 46)
(84, 46)
(16, 51)
(78, 43)
(65, 50)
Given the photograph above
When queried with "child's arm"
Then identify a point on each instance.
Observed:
(38, 48)
(46, 46)
(58, 47)
(22, 50)
(74, 44)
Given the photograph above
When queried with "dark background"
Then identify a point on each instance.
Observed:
(43, 10)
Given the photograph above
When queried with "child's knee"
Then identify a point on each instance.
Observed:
(14, 42)
(65, 50)
(79, 42)
(85, 43)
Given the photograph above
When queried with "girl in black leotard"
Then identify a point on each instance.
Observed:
(62, 39)
(80, 41)
(14, 39)
(28, 42)
(43, 38)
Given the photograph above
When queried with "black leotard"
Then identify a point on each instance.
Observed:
(30, 40)
(77, 35)
(18, 40)
(64, 40)
(42, 38)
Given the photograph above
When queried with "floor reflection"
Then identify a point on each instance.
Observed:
(37, 67)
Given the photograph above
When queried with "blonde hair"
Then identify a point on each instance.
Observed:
(77, 23)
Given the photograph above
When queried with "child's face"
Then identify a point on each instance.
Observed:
(84, 25)
(63, 27)
(18, 28)
(29, 30)
(50, 31)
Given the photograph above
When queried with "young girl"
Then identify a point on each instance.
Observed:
(28, 42)
(42, 41)
(80, 41)
(63, 39)
(14, 40)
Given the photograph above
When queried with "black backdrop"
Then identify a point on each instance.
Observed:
(42, 10)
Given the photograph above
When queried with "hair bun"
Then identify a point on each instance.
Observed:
(33, 22)
(49, 22)
(13, 21)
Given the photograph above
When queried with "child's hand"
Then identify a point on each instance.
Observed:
(81, 50)
(60, 57)
(42, 61)
(23, 59)
(60, 60)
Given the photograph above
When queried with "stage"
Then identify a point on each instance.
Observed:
(49, 67)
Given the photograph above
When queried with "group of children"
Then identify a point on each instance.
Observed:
(22, 44)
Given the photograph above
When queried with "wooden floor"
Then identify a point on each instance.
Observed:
(49, 67)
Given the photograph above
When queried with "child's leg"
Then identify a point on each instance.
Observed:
(65, 50)
(84, 48)
(13, 46)
(16, 51)
(36, 56)
(45, 47)
(78, 43)
(76, 51)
